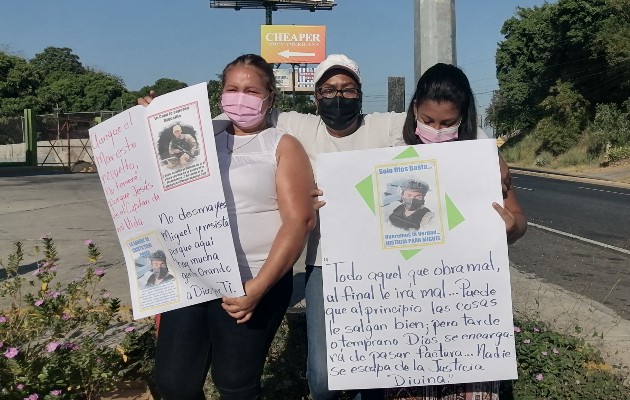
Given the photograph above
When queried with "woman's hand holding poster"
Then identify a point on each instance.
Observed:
(416, 269)
(159, 170)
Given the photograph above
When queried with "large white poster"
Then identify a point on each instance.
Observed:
(416, 271)
(159, 170)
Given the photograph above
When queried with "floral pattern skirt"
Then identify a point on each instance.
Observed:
(461, 391)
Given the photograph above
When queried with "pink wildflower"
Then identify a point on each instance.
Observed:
(38, 302)
(539, 377)
(555, 351)
(11, 352)
(99, 272)
(55, 393)
(52, 346)
(1, 344)
(88, 242)
(130, 329)
(34, 396)
(536, 330)
(526, 341)
(3, 319)
(65, 316)
(517, 329)
(544, 353)
(19, 386)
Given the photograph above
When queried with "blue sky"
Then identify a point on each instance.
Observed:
(144, 40)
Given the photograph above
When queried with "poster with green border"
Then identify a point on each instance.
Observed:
(415, 266)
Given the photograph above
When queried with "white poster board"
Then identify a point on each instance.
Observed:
(165, 195)
(423, 304)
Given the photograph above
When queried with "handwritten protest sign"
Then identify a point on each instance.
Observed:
(416, 270)
(159, 171)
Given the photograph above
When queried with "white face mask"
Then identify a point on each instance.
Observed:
(428, 134)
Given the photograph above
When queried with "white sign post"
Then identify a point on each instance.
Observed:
(160, 174)
(416, 295)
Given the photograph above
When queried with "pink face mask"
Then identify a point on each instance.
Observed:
(429, 134)
(244, 110)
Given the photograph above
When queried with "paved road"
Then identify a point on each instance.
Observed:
(596, 212)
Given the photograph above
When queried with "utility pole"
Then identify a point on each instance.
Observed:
(395, 94)
(434, 34)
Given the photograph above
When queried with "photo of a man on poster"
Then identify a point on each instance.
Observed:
(182, 149)
(412, 214)
(159, 268)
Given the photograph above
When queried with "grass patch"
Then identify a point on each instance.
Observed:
(525, 151)
(521, 150)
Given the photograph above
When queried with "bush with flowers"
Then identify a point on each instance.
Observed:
(556, 366)
(64, 341)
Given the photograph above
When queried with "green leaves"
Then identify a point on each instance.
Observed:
(570, 48)
(64, 338)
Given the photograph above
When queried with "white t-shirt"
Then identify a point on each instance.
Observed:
(248, 171)
(376, 130)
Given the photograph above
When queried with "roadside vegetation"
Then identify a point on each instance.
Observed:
(67, 340)
(564, 84)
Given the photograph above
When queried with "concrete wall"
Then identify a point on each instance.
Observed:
(45, 153)
(13, 153)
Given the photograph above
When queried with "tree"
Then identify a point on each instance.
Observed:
(615, 33)
(55, 62)
(214, 97)
(163, 86)
(561, 41)
(90, 91)
(566, 117)
(522, 72)
(18, 84)
(302, 103)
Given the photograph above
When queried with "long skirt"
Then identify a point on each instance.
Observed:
(462, 391)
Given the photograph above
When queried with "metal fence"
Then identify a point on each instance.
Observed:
(62, 139)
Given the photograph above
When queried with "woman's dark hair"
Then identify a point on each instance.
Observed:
(256, 61)
(443, 83)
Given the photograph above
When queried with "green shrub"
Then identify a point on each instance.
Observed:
(555, 366)
(566, 116)
(614, 154)
(612, 124)
(64, 341)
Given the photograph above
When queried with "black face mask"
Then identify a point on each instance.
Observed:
(339, 113)
(412, 204)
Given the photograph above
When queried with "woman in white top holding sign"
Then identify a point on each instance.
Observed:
(267, 179)
(443, 110)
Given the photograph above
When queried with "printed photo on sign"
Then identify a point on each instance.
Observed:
(410, 211)
(156, 283)
(179, 145)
